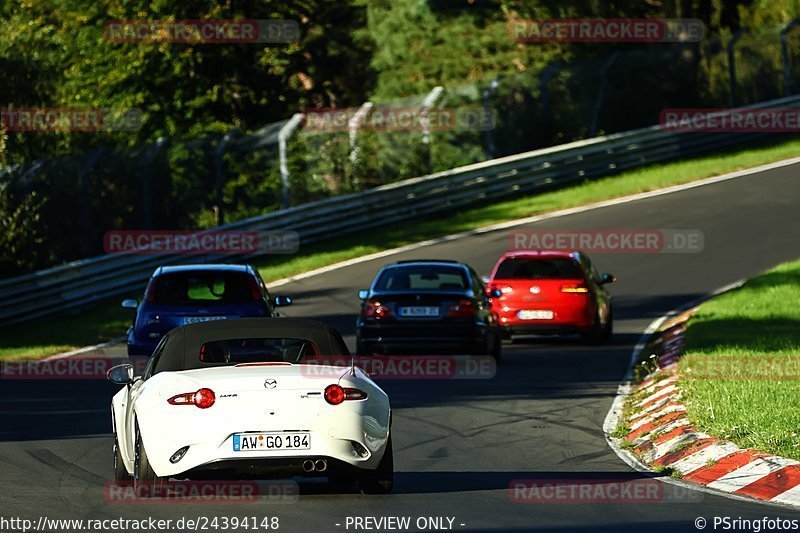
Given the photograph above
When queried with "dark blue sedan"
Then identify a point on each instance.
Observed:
(178, 295)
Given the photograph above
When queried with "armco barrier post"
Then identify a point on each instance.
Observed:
(352, 129)
(427, 104)
(490, 149)
(219, 173)
(283, 136)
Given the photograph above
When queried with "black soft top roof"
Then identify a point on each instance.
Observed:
(182, 347)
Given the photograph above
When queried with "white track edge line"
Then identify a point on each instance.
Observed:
(536, 218)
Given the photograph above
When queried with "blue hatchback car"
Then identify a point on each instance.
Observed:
(178, 295)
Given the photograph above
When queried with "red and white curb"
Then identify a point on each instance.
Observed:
(660, 436)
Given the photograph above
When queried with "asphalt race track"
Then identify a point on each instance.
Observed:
(458, 443)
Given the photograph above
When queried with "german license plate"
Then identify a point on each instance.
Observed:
(419, 311)
(264, 442)
(196, 319)
(537, 314)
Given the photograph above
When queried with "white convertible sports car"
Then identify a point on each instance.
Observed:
(244, 398)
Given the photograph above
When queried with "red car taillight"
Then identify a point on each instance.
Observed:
(336, 394)
(463, 309)
(255, 290)
(204, 398)
(375, 309)
(573, 287)
(505, 289)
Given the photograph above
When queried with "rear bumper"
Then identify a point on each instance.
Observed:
(420, 337)
(259, 468)
(357, 437)
(204, 459)
(565, 320)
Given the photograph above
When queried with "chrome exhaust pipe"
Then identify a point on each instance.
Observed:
(321, 465)
(308, 465)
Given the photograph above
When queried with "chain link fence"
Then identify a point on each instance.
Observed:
(57, 210)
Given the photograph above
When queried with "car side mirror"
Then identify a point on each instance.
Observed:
(120, 374)
(130, 303)
(607, 278)
(494, 293)
(362, 294)
(281, 301)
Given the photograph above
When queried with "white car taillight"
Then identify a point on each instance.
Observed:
(335, 394)
(204, 398)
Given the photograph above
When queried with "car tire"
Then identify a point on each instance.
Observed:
(340, 475)
(497, 348)
(608, 329)
(360, 350)
(380, 480)
(600, 332)
(120, 472)
(146, 483)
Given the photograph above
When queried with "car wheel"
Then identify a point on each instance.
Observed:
(340, 475)
(360, 349)
(380, 480)
(608, 329)
(145, 481)
(600, 332)
(120, 472)
(497, 348)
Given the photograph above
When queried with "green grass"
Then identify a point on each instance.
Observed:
(741, 372)
(68, 331)
(65, 332)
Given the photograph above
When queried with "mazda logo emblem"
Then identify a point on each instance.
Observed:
(535, 289)
(271, 383)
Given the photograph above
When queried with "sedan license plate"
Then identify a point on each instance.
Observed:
(419, 311)
(264, 442)
(196, 319)
(538, 314)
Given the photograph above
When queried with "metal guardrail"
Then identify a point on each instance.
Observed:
(81, 282)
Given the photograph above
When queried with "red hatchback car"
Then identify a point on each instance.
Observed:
(551, 292)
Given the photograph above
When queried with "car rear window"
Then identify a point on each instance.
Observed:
(204, 288)
(257, 350)
(538, 268)
(422, 279)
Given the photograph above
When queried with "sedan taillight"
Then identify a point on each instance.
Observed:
(204, 398)
(375, 309)
(463, 309)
